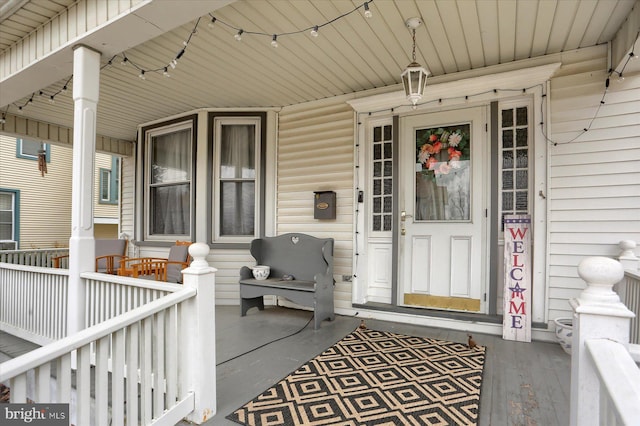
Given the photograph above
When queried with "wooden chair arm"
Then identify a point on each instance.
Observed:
(111, 262)
(56, 260)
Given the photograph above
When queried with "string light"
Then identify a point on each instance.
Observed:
(367, 11)
(239, 32)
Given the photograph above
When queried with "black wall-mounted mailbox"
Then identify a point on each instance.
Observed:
(324, 206)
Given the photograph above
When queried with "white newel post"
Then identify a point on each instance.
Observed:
(629, 262)
(598, 314)
(86, 76)
(627, 257)
(198, 334)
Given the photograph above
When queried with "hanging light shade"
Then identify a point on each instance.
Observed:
(414, 77)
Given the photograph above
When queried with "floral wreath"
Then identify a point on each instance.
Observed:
(439, 150)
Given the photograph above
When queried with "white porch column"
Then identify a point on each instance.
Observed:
(598, 314)
(198, 334)
(86, 76)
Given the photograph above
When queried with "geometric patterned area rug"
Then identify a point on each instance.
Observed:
(376, 378)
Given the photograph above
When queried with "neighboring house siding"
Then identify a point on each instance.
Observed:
(594, 181)
(315, 153)
(45, 202)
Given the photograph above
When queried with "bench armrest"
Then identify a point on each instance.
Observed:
(245, 273)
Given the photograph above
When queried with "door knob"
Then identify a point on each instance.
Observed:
(404, 215)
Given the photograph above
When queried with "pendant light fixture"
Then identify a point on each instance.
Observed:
(414, 77)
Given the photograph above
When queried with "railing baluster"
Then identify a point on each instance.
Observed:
(102, 382)
(18, 386)
(117, 378)
(146, 371)
(172, 356)
(133, 363)
(159, 365)
(63, 378)
(43, 382)
(83, 385)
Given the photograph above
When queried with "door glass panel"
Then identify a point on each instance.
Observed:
(443, 175)
(382, 179)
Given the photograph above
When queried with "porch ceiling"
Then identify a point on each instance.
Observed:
(351, 54)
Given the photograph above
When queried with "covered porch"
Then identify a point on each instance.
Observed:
(318, 93)
(232, 359)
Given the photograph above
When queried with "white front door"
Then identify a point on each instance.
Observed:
(442, 241)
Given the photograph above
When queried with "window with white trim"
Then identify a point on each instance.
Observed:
(237, 181)
(29, 150)
(109, 182)
(7, 216)
(168, 180)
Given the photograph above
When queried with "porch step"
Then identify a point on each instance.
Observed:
(12, 346)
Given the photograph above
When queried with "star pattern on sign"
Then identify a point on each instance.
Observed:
(516, 289)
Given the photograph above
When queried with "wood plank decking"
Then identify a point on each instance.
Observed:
(524, 383)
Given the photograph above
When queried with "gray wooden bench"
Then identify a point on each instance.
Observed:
(308, 259)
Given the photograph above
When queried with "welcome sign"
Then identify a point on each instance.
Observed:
(516, 323)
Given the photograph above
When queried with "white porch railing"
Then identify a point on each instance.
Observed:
(605, 380)
(34, 257)
(108, 296)
(152, 364)
(629, 287)
(33, 302)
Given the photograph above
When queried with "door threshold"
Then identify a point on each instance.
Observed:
(435, 313)
(426, 312)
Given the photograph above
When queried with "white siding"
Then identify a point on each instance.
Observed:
(127, 201)
(79, 18)
(315, 153)
(594, 181)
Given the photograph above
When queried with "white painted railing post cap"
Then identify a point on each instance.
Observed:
(199, 253)
(600, 274)
(627, 247)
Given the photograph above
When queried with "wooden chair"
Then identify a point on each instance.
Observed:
(109, 253)
(167, 270)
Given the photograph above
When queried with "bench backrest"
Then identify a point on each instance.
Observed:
(300, 255)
